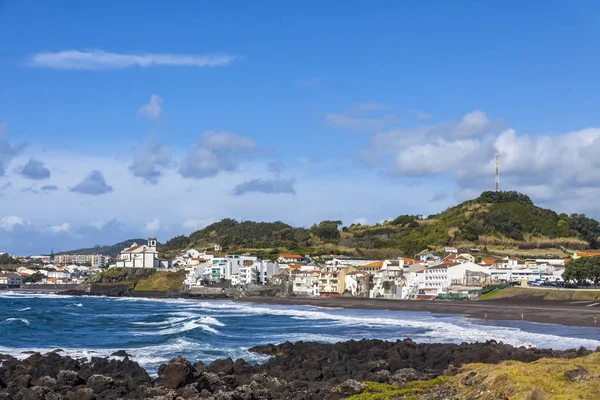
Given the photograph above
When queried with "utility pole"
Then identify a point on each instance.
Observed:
(497, 172)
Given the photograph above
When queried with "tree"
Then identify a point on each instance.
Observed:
(582, 269)
(33, 278)
(327, 230)
(588, 228)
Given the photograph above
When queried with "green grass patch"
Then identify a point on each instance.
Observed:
(384, 391)
(544, 294)
(542, 379)
(161, 282)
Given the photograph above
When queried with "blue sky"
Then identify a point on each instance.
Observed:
(146, 118)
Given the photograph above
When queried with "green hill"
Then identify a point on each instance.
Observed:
(113, 250)
(497, 222)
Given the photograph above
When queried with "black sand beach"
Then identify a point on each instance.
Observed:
(570, 313)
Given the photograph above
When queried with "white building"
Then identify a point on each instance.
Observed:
(140, 256)
(289, 258)
(443, 276)
(10, 279)
(305, 283)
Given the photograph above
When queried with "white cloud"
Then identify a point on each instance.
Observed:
(420, 115)
(10, 222)
(64, 227)
(98, 60)
(150, 162)
(153, 109)
(215, 152)
(194, 224)
(265, 186)
(473, 123)
(360, 119)
(7, 151)
(427, 140)
(361, 221)
(94, 184)
(153, 225)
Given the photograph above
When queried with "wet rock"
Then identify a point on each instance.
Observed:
(120, 353)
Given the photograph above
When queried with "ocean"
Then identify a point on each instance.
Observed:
(156, 330)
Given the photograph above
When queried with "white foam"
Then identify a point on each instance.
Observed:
(32, 295)
(22, 320)
(24, 309)
(203, 323)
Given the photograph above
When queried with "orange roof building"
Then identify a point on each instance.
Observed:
(579, 254)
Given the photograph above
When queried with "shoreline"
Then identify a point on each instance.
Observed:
(567, 313)
(530, 309)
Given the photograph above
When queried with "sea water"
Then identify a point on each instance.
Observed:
(154, 331)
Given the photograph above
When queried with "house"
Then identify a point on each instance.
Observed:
(372, 267)
(332, 280)
(256, 272)
(487, 262)
(305, 283)
(289, 258)
(10, 279)
(59, 276)
(386, 283)
(443, 276)
(451, 250)
(415, 278)
(140, 256)
(357, 283)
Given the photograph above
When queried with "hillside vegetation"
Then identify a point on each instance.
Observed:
(499, 222)
(112, 251)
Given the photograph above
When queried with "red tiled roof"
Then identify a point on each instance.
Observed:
(377, 264)
(290, 255)
(588, 253)
(132, 248)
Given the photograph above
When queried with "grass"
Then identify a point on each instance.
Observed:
(543, 294)
(540, 380)
(382, 391)
(161, 282)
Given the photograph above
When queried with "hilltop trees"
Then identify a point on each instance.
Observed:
(504, 197)
(582, 269)
(327, 230)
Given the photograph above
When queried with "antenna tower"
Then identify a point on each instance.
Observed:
(497, 172)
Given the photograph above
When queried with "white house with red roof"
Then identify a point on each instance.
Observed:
(139, 256)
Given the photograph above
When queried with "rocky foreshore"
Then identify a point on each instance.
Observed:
(304, 370)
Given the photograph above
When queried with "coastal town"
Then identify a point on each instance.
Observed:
(451, 274)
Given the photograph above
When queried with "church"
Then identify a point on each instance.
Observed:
(140, 256)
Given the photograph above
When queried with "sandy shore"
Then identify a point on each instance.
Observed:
(571, 313)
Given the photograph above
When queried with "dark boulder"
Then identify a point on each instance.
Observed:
(177, 373)
(350, 388)
(100, 383)
(222, 366)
